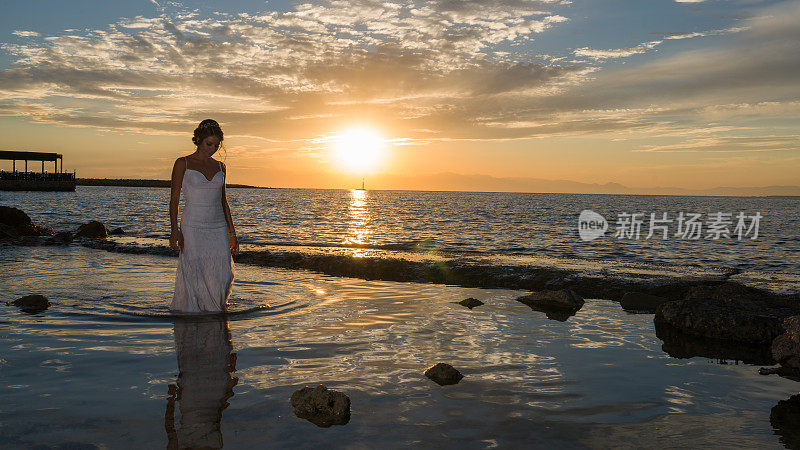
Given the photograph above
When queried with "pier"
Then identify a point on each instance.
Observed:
(57, 180)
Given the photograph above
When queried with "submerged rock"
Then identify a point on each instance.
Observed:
(641, 302)
(785, 419)
(786, 347)
(558, 305)
(14, 223)
(117, 231)
(470, 302)
(92, 230)
(732, 319)
(321, 406)
(443, 374)
(32, 303)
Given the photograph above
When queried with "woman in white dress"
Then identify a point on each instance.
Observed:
(205, 239)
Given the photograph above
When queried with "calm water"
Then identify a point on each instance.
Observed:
(96, 369)
(106, 366)
(539, 229)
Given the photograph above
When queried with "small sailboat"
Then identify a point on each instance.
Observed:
(362, 186)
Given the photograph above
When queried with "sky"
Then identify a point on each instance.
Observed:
(485, 95)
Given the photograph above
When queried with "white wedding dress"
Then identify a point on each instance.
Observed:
(205, 266)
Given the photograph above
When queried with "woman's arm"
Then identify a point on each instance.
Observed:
(175, 235)
(234, 241)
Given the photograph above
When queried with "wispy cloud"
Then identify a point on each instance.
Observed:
(598, 54)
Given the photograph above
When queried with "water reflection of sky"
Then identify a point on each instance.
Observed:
(97, 368)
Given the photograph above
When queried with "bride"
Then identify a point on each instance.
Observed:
(206, 239)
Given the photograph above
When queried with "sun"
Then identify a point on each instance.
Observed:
(359, 149)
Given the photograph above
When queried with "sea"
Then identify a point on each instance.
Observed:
(107, 365)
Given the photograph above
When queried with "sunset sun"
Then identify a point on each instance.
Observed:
(359, 149)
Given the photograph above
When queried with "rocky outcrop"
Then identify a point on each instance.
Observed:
(785, 420)
(786, 347)
(92, 230)
(321, 406)
(32, 304)
(640, 302)
(712, 314)
(14, 223)
(443, 374)
(558, 305)
(470, 302)
(117, 231)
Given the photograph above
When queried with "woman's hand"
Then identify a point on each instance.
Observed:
(234, 241)
(176, 240)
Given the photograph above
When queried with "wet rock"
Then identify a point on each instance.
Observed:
(32, 303)
(117, 231)
(321, 406)
(14, 223)
(785, 420)
(92, 230)
(641, 302)
(470, 302)
(558, 305)
(732, 319)
(786, 347)
(678, 344)
(62, 237)
(443, 374)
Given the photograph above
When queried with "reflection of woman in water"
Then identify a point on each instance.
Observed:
(205, 382)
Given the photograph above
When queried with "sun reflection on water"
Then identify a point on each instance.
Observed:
(358, 225)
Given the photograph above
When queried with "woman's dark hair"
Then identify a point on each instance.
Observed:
(208, 127)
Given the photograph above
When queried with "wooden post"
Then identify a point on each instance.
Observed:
(26, 165)
(14, 165)
(42, 166)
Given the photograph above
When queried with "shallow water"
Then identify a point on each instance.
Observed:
(97, 366)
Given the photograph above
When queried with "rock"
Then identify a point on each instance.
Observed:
(117, 231)
(321, 406)
(15, 223)
(92, 230)
(32, 303)
(558, 305)
(785, 420)
(786, 347)
(62, 237)
(734, 319)
(470, 302)
(641, 302)
(443, 374)
(768, 370)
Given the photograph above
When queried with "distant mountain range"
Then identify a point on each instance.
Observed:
(461, 182)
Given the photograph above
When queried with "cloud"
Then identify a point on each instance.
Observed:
(301, 62)
(22, 33)
(430, 71)
(615, 52)
(731, 144)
